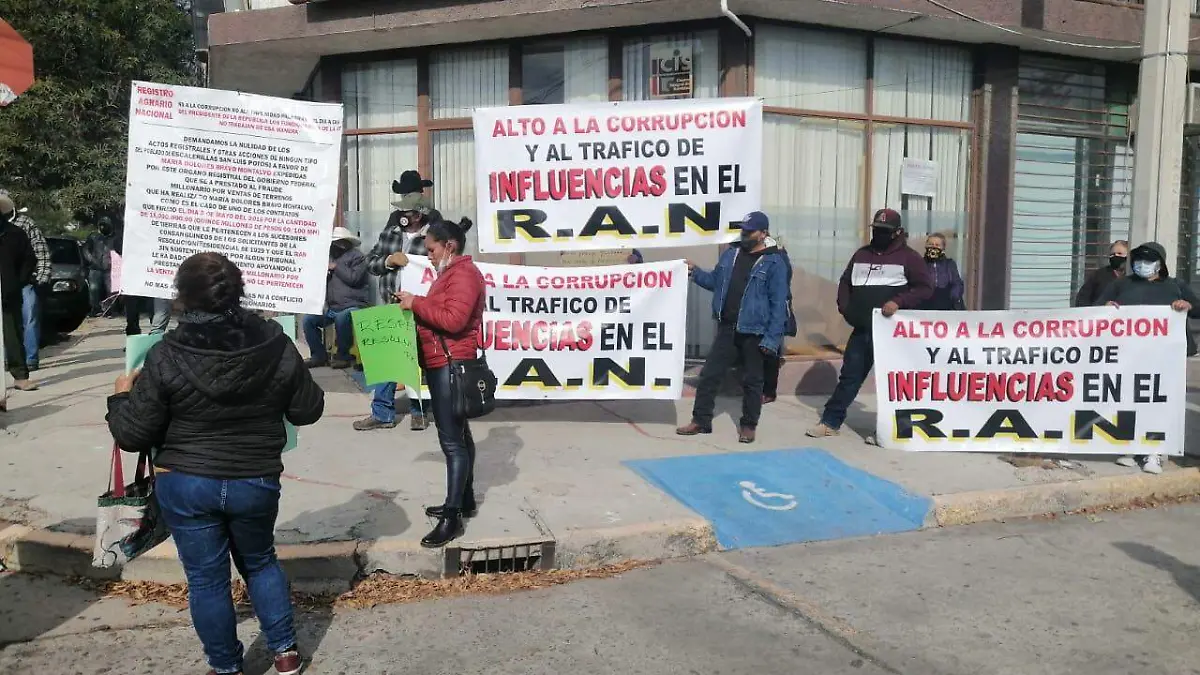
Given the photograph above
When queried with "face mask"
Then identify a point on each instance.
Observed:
(444, 261)
(881, 237)
(1116, 262)
(6, 218)
(1145, 268)
(934, 253)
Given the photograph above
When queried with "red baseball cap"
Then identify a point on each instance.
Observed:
(889, 218)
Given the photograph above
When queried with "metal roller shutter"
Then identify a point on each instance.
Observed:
(1073, 177)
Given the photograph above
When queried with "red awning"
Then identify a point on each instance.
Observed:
(16, 64)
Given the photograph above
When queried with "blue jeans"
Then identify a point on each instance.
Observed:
(383, 404)
(31, 323)
(343, 329)
(857, 361)
(211, 521)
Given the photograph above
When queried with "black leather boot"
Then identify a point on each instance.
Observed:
(469, 510)
(449, 527)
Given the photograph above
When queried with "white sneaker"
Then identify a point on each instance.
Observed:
(1153, 464)
(1127, 460)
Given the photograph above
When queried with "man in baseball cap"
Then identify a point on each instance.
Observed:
(886, 275)
(751, 312)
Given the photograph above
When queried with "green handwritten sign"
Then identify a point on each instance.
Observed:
(387, 345)
(136, 348)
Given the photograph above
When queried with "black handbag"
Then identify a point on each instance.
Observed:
(472, 385)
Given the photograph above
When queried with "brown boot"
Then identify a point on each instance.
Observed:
(746, 435)
(693, 429)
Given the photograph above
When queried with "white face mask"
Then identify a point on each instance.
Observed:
(1145, 268)
(444, 262)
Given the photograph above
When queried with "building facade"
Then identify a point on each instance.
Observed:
(1022, 105)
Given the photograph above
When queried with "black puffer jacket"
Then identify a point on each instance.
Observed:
(213, 396)
(17, 265)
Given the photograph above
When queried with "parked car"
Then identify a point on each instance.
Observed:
(66, 304)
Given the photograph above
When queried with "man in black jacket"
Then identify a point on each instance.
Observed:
(18, 264)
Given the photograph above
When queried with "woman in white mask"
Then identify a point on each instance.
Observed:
(1150, 283)
(448, 324)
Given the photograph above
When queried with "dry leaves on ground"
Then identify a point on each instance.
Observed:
(376, 589)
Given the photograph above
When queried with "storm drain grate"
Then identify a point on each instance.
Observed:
(523, 557)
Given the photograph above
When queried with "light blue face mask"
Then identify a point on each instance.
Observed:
(1145, 268)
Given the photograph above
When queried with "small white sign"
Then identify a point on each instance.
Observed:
(918, 177)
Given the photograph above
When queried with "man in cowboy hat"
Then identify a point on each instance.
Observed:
(404, 235)
(345, 291)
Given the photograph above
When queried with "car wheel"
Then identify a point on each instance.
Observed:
(68, 325)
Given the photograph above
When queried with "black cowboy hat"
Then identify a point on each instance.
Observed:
(410, 181)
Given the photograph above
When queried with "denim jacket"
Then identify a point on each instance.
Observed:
(764, 309)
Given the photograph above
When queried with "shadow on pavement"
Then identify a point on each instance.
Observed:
(88, 357)
(368, 516)
(25, 414)
(34, 606)
(1186, 576)
(113, 368)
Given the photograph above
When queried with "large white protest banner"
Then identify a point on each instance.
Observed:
(1093, 381)
(581, 332)
(252, 177)
(616, 175)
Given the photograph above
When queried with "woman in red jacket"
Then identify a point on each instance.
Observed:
(448, 320)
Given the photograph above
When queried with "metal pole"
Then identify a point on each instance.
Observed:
(1162, 99)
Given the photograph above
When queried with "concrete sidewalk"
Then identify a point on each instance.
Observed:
(353, 502)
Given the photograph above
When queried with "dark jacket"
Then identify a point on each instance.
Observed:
(764, 309)
(874, 278)
(451, 311)
(948, 287)
(1095, 286)
(213, 395)
(18, 264)
(1164, 290)
(97, 252)
(347, 285)
(392, 240)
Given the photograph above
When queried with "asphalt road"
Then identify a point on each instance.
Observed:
(1118, 593)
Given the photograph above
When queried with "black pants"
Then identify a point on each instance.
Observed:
(454, 435)
(731, 349)
(14, 347)
(857, 362)
(97, 289)
(771, 366)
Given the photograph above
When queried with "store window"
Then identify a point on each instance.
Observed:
(832, 154)
(574, 71)
(380, 102)
(464, 79)
(810, 70)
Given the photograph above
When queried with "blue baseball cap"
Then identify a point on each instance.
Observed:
(756, 221)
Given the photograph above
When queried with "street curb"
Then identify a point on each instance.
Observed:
(333, 566)
(965, 508)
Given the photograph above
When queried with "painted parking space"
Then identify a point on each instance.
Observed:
(781, 497)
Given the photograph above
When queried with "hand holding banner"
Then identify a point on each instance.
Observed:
(1094, 381)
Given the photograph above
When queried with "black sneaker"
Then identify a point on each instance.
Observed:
(372, 424)
(315, 363)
